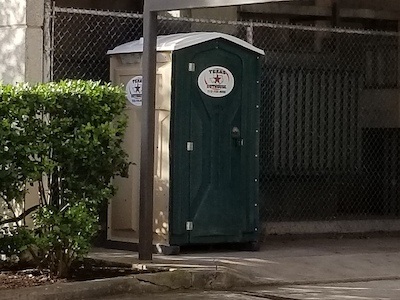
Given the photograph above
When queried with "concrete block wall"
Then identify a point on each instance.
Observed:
(125, 5)
(223, 13)
(21, 40)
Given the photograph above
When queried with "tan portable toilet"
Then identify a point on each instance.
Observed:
(178, 219)
(123, 211)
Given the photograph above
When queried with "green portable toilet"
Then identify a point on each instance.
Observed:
(207, 132)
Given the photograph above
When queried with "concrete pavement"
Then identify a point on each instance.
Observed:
(283, 262)
(278, 265)
(372, 290)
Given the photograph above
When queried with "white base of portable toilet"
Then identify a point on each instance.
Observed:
(126, 69)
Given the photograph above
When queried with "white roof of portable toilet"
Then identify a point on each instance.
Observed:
(181, 40)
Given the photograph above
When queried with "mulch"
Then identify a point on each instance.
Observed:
(25, 278)
(20, 276)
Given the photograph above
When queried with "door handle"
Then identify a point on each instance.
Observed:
(236, 136)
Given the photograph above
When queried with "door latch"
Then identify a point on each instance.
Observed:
(236, 136)
(192, 67)
(189, 226)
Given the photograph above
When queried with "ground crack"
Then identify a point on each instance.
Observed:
(267, 296)
(141, 280)
(153, 283)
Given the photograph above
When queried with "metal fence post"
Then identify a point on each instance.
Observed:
(250, 33)
(398, 55)
(47, 41)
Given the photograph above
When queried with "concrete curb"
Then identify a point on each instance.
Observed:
(158, 282)
(276, 283)
(137, 284)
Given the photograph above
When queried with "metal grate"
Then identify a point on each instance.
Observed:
(330, 118)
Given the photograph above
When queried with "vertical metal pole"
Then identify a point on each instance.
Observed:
(398, 55)
(335, 13)
(47, 41)
(250, 33)
(147, 148)
(53, 21)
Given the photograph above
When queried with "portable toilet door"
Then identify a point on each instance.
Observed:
(214, 143)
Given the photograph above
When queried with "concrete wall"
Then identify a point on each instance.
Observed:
(352, 10)
(129, 5)
(387, 5)
(12, 40)
(21, 40)
(224, 13)
(332, 226)
(363, 4)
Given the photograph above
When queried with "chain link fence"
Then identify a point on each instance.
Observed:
(330, 118)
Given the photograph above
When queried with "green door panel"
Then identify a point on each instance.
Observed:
(216, 195)
(215, 185)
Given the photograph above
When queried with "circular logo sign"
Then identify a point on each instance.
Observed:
(216, 81)
(134, 90)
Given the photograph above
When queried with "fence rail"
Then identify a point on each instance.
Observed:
(330, 121)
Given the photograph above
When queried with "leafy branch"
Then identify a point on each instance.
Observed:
(67, 137)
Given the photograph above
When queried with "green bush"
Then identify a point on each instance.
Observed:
(66, 136)
(84, 134)
(64, 235)
(14, 241)
(21, 142)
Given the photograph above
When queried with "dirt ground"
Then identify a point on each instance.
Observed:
(19, 276)
(25, 278)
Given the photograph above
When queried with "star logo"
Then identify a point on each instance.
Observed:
(217, 79)
(137, 88)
